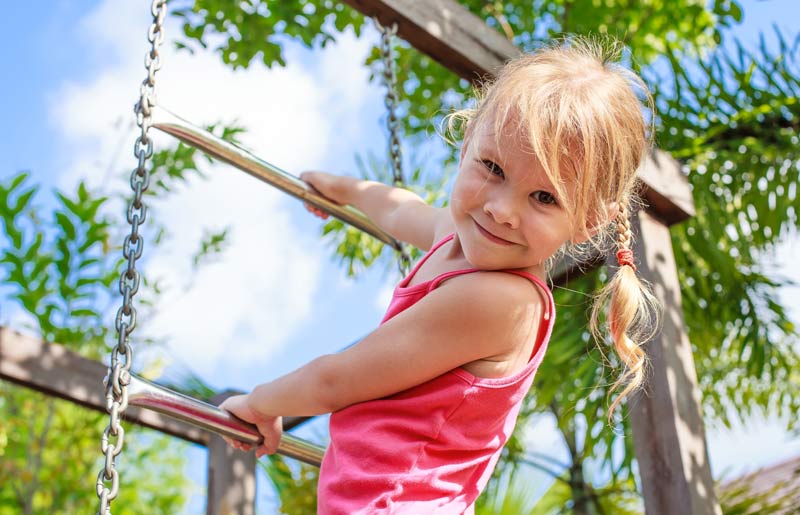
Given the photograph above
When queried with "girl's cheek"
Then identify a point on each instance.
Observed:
(469, 187)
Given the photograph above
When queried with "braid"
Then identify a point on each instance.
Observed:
(624, 234)
(624, 237)
(631, 313)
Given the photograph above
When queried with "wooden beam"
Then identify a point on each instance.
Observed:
(666, 419)
(54, 370)
(446, 31)
(667, 190)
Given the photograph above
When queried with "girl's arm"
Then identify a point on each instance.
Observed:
(468, 318)
(399, 212)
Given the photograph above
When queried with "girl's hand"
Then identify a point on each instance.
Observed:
(269, 427)
(328, 185)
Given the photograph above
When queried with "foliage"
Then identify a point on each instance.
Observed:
(430, 89)
(59, 268)
(296, 485)
(732, 117)
(60, 265)
(49, 452)
(55, 266)
(517, 500)
(265, 25)
(618, 498)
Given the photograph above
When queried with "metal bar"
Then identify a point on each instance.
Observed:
(166, 121)
(151, 396)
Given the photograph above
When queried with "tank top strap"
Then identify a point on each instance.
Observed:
(436, 281)
(424, 258)
(548, 317)
(551, 305)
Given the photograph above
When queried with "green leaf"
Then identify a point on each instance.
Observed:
(84, 313)
(66, 225)
(23, 200)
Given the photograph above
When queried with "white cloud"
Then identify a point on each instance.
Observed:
(115, 28)
(241, 309)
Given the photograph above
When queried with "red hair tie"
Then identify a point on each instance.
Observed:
(625, 257)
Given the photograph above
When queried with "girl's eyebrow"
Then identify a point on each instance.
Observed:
(485, 147)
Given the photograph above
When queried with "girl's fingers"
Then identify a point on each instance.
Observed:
(236, 444)
(263, 451)
(316, 211)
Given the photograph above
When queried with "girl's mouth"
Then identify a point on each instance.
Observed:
(491, 237)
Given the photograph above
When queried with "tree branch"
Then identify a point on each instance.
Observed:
(762, 131)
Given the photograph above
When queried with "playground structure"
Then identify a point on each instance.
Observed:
(669, 436)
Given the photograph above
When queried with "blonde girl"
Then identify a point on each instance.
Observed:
(422, 406)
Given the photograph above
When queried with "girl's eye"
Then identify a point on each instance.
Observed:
(493, 167)
(544, 197)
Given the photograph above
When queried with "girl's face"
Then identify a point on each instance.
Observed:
(504, 207)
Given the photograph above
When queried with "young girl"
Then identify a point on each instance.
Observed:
(422, 406)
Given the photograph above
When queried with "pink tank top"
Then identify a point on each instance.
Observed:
(431, 448)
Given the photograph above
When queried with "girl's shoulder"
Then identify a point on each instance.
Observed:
(501, 284)
(520, 298)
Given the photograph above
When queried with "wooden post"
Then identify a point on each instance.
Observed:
(666, 418)
(231, 475)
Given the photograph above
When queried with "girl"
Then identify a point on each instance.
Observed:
(422, 406)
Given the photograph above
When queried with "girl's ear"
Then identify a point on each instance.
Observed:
(597, 222)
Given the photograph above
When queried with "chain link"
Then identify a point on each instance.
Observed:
(392, 122)
(391, 99)
(113, 438)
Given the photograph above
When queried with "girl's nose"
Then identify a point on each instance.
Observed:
(502, 211)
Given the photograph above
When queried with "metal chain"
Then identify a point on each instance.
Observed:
(112, 441)
(391, 100)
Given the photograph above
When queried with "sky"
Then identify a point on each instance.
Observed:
(276, 300)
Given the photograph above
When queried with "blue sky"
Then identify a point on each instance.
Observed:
(73, 70)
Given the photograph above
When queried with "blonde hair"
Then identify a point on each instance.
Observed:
(583, 115)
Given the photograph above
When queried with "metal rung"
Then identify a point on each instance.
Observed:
(166, 121)
(145, 394)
